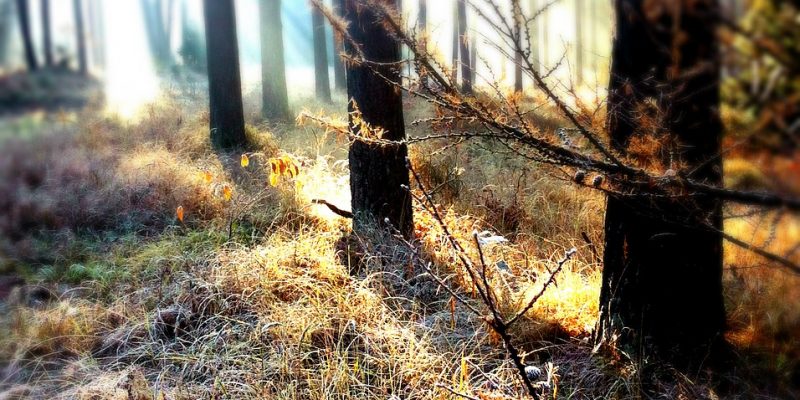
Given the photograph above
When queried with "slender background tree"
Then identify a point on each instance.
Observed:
(274, 98)
(339, 74)
(80, 37)
(47, 36)
(322, 82)
(23, 13)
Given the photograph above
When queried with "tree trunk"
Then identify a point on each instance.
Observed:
(321, 79)
(96, 24)
(192, 49)
(463, 38)
(23, 12)
(454, 58)
(544, 62)
(157, 36)
(579, 41)
(517, 16)
(47, 36)
(377, 172)
(80, 37)
(662, 289)
(339, 74)
(274, 99)
(224, 80)
(6, 25)
(422, 18)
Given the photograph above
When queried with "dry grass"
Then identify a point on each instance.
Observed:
(290, 305)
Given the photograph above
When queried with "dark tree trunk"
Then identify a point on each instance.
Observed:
(464, 51)
(579, 41)
(224, 80)
(377, 172)
(47, 35)
(23, 12)
(662, 289)
(274, 99)
(321, 80)
(80, 37)
(339, 74)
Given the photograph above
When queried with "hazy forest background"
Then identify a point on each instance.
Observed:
(386, 199)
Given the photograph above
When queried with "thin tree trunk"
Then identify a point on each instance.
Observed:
(47, 37)
(516, 12)
(662, 276)
(544, 62)
(224, 80)
(23, 12)
(456, 45)
(579, 41)
(96, 24)
(463, 40)
(274, 98)
(6, 27)
(378, 174)
(422, 17)
(339, 74)
(321, 79)
(157, 37)
(80, 37)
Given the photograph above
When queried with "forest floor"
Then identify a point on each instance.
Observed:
(256, 292)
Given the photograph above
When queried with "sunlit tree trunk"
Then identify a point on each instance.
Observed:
(80, 37)
(534, 31)
(192, 47)
(47, 36)
(321, 80)
(377, 172)
(23, 12)
(339, 77)
(454, 57)
(662, 289)
(96, 23)
(579, 20)
(517, 15)
(463, 48)
(422, 17)
(274, 98)
(224, 80)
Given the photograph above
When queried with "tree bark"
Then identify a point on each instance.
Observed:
(23, 12)
(377, 172)
(274, 97)
(339, 74)
(321, 79)
(662, 276)
(464, 51)
(80, 37)
(454, 58)
(224, 80)
(47, 36)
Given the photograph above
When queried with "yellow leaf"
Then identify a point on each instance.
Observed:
(227, 192)
(245, 160)
(207, 176)
(273, 179)
(179, 213)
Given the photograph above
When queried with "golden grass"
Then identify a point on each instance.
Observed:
(292, 306)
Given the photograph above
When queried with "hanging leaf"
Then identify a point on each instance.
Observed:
(179, 213)
(227, 192)
(245, 161)
(273, 179)
(207, 176)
